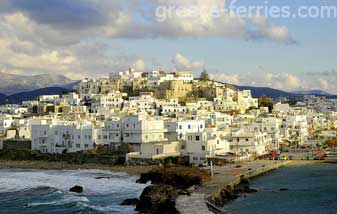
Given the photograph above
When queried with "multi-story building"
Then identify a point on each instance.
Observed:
(62, 137)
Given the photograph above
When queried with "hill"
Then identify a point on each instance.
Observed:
(314, 92)
(31, 95)
(2, 96)
(13, 84)
(270, 92)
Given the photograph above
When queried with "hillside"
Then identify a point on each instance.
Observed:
(270, 92)
(309, 92)
(2, 96)
(13, 84)
(31, 95)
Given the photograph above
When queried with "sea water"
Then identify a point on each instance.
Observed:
(310, 189)
(46, 191)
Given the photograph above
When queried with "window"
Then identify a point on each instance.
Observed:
(180, 127)
(201, 126)
(86, 145)
(189, 126)
(197, 138)
(203, 148)
(78, 146)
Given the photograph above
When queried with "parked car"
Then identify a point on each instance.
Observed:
(284, 157)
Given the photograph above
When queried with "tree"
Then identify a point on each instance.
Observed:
(331, 143)
(204, 76)
(266, 102)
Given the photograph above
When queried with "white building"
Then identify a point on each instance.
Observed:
(62, 136)
(138, 129)
(296, 128)
(246, 143)
(202, 145)
(107, 102)
(178, 129)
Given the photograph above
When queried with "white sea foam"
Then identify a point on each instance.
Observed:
(66, 200)
(103, 194)
(116, 183)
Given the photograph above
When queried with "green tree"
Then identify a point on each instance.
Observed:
(204, 76)
(266, 102)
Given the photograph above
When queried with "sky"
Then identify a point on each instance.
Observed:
(91, 38)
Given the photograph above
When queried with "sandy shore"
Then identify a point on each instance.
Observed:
(132, 170)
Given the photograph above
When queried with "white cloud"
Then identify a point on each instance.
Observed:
(282, 81)
(266, 30)
(181, 62)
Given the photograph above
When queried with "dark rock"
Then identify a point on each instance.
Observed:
(180, 181)
(77, 189)
(283, 189)
(130, 202)
(102, 177)
(158, 199)
(183, 192)
(251, 190)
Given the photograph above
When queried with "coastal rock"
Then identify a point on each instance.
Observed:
(184, 192)
(158, 199)
(225, 195)
(102, 177)
(180, 179)
(77, 189)
(130, 202)
(230, 193)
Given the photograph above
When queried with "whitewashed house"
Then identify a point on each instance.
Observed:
(62, 136)
(203, 145)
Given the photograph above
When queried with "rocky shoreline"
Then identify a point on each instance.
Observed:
(167, 186)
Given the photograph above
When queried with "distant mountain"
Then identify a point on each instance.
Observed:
(31, 95)
(269, 92)
(2, 96)
(314, 92)
(12, 84)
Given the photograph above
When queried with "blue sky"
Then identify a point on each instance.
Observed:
(90, 38)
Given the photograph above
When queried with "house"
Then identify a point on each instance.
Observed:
(62, 136)
(139, 129)
(246, 143)
(203, 145)
(156, 150)
(178, 129)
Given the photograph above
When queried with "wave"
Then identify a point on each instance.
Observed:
(63, 180)
(29, 192)
(48, 190)
(67, 199)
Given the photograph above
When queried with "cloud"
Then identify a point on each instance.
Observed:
(332, 72)
(68, 37)
(181, 62)
(265, 30)
(282, 81)
(67, 21)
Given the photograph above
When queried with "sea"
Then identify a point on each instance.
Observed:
(46, 191)
(309, 189)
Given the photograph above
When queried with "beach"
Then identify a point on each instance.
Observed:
(196, 203)
(131, 170)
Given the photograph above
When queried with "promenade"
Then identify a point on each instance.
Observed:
(223, 176)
